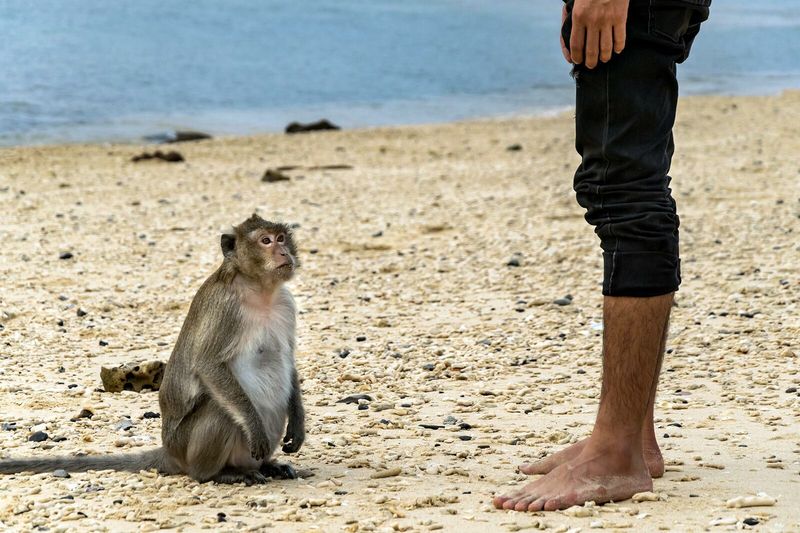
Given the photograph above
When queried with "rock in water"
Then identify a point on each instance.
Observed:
(271, 176)
(320, 125)
(188, 135)
(133, 376)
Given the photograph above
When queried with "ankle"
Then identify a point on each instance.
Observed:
(619, 446)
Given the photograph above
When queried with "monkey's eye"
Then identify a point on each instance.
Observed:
(266, 240)
(281, 238)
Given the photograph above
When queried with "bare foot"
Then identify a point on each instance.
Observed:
(598, 474)
(652, 457)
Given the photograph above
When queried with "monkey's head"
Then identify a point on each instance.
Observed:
(261, 250)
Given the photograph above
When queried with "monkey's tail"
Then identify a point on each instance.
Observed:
(129, 462)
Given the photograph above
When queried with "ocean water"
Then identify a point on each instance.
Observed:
(105, 70)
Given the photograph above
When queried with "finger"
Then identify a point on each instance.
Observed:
(606, 44)
(619, 38)
(592, 49)
(564, 49)
(577, 39)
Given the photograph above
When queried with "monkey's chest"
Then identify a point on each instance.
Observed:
(264, 371)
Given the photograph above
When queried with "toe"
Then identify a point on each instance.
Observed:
(522, 503)
(557, 503)
(537, 505)
(530, 469)
(510, 503)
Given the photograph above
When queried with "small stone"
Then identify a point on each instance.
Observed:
(344, 352)
(103, 343)
(124, 425)
(61, 473)
(38, 436)
(391, 472)
(271, 176)
(9, 426)
(790, 390)
(750, 521)
(566, 300)
(222, 517)
(759, 500)
(361, 338)
(151, 414)
(514, 147)
(59, 438)
(449, 420)
(363, 407)
(428, 366)
(65, 255)
(464, 437)
(515, 261)
(431, 426)
(354, 398)
(81, 312)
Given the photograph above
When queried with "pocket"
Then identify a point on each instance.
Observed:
(670, 22)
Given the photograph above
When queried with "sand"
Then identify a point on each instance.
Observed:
(409, 249)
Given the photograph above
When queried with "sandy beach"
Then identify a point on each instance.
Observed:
(406, 295)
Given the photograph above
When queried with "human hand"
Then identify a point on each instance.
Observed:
(598, 30)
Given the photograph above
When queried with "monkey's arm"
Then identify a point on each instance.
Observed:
(296, 426)
(223, 386)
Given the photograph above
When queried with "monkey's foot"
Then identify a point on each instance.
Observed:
(278, 471)
(230, 475)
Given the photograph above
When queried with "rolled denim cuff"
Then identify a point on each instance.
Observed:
(640, 274)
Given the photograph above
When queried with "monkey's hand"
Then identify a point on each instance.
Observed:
(295, 436)
(259, 445)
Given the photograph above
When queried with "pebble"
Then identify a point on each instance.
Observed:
(65, 255)
(38, 436)
(566, 300)
(9, 426)
(85, 413)
(646, 497)
(391, 472)
(355, 398)
(151, 414)
(759, 500)
(124, 425)
(61, 473)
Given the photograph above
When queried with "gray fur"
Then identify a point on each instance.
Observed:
(230, 390)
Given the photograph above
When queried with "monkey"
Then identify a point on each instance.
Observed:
(230, 389)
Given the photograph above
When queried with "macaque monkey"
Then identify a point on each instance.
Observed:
(230, 391)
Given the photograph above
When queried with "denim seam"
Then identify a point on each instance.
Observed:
(605, 179)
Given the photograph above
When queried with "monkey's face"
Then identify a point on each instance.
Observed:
(262, 250)
(277, 252)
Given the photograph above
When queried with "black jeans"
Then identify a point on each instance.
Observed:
(625, 110)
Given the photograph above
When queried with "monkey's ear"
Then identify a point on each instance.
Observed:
(228, 243)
